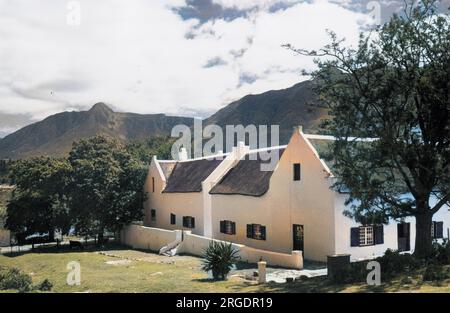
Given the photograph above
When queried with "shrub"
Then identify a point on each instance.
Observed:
(434, 272)
(393, 263)
(441, 252)
(14, 279)
(219, 258)
(45, 285)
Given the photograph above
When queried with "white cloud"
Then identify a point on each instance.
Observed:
(250, 4)
(136, 56)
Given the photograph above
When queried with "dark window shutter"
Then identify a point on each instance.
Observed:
(192, 222)
(222, 226)
(249, 231)
(184, 221)
(263, 232)
(297, 172)
(173, 220)
(378, 234)
(233, 228)
(354, 237)
(439, 229)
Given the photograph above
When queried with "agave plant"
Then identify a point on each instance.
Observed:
(219, 259)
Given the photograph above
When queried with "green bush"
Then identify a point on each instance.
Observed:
(441, 252)
(434, 272)
(14, 279)
(45, 285)
(352, 273)
(393, 263)
(219, 258)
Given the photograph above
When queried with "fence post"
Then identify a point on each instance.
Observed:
(262, 272)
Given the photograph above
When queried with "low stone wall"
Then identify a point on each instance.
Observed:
(148, 238)
(195, 245)
(5, 236)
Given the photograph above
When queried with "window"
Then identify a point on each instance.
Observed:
(366, 235)
(297, 172)
(173, 219)
(153, 184)
(188, 222)
(228, 227)
(437, 230)
(153, 215)
(256, 231)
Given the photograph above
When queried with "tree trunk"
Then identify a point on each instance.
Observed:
(423, 246)
(51, 235)
(100, 238)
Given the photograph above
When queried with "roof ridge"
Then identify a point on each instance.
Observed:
(215, 156)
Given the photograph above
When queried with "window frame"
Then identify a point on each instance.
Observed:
(366, 236)
(228, 227)
(295, 167)
(189, 222)
(173, 219)
(153, 215)
(258, 232)
(434, 230)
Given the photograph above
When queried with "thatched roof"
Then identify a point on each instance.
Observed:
(188, 176)
(246, 178)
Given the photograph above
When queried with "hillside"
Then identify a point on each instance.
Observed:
(54, 135)
(289, 107)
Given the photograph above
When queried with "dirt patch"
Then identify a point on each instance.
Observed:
(133, 255)
(119, 262)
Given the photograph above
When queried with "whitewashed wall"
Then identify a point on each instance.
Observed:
(196, 245)
(344, 224)
(141, 237)
(148, 238)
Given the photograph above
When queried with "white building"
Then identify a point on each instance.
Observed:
(290, 208)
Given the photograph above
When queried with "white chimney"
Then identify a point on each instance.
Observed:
(182, 154)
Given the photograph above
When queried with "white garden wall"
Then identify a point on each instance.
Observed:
(141, 237)
(195, 245)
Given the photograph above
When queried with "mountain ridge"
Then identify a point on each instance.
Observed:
(53, 136)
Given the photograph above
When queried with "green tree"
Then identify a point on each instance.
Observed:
(4, 171)
(106, 190)
(38, 203)
(395, 87)
(159, 146)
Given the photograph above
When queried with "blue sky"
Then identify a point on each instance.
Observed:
(180, 57)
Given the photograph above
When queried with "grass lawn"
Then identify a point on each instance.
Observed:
(135, 271)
